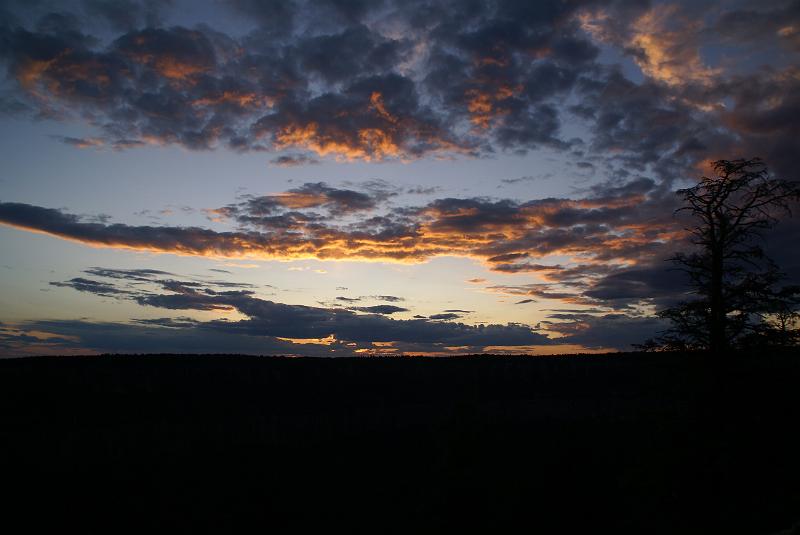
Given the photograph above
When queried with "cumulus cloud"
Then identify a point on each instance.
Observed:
(404, 80)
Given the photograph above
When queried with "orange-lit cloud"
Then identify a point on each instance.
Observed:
(329, 340)
(483, 104)
(376, 101)
(670, 52)
(241, 99)
(82, 142)
(378, 135)
(178, 54)
(368, 144)
(507, 236)
(665, 41)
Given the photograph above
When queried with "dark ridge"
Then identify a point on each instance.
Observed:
(619, 443)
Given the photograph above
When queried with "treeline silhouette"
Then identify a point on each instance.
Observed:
(625, 443)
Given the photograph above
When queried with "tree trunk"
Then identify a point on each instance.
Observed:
(717, 340)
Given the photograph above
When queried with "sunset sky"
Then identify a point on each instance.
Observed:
(336, 177)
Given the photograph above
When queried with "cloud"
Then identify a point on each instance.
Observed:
(340, 331)
(444, 316)
(125, 15)
(413, 80)
(665, 47)
(614, 226)
(90, 286)
(663, 39)
(81, 143)
(380, 309)
(755, 26)
(615, 240)
(543, 291)
(521, 179)
(296, 160)
(617, 331)
(325, 80)
(389, 298)
(140, 275)
(657, 282)
(287, 209)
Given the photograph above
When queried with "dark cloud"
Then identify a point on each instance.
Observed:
(444, 316)
(314, 77)
(126, 15)
(286, 210)
(151, 337)
(423, 190)
(175, 323)
(141, 275)
(759, 23)
(338, 57)
(133, 279)
(380, 309)
(508, 257)
(522, 267)
(276, 16)
(766, 116)
(658, 282)
(90, 286)
(389, 298)
(543, 291)
(609, 331)
(402, 80)
(296, 160)
(520, 179)
(268, 320)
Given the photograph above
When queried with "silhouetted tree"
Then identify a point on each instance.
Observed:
(738, 301)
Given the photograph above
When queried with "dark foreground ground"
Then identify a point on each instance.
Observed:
(586, 444)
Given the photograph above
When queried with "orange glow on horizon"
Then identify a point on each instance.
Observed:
(328, 340)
